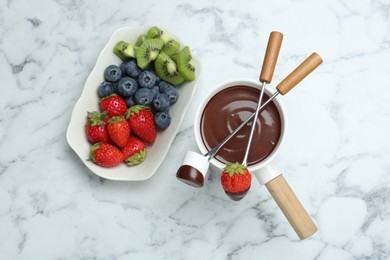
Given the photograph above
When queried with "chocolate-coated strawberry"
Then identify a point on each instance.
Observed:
(119, 130)
(114, 105)
(96, 127)
(141, 122)
(236, 180)
(105, 155)
(134, 152)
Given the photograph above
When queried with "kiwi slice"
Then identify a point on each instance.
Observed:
(185, 64)
(174, 56)
(171, 47)
(140, 40)
(119, 48)
(148, 52)
(157, 33)
(130, 51)
(166, 69)
(125, 50)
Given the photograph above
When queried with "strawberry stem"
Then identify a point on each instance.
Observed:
(234, 168)
(92, 152)
(135, 110)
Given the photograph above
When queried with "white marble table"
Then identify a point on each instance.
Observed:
(336, 156)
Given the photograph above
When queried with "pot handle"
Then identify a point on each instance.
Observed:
(287, 201)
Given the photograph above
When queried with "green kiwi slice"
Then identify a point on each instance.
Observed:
(157, 33)
(130, 51)
(148, 52)
(174, 56)
(171, 47)
(185, 64)
(166, 69)
(140, 40)
(119, 48)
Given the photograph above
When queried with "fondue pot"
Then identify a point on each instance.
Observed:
(266, 171)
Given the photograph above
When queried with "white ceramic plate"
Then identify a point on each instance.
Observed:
(88, 101)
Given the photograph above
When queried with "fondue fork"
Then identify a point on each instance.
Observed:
(267, 71)
(296, 76)
(240, 171)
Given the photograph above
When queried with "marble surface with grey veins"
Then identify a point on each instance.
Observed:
(336, 156)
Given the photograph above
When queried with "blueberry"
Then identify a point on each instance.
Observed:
(131, 68)
(161, 102)
(172, 93)
(127, 87)
(130, 101)
(112, 73)
(153, 110)
(146, 79)
(152, 69)
(158, 79)
(162, 85)
(143, 96)
(162, 120)
(122, 67)
(115, 85)
(155, 91)
(105, 89)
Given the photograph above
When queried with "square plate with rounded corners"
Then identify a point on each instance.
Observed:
(89, 101)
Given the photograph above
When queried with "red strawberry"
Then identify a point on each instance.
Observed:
(105, 155)
(114, 105)
(96, 127)
(236, 180)
(134, 152)
(118, 130)
(142, 123)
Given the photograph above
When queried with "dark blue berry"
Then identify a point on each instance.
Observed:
(162, 85)
(155, 91)
(131, 68)
(152, 69)
(105, 89)
(122, 67)
(162, 120)
(127, 87)
(158, 79)
(130, 101)
(146, 79)
(115, 85)
(112, 73)
(143, 96)
(161, 102)
(172, 93)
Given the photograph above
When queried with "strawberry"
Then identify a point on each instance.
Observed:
(96, 127)
(114, 105)
(236, 180)
(142, 123)
(118, 130)
(105, 155)
(134, 152)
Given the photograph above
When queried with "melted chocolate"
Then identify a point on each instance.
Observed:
(190, 176)
(226, 111)
(237, 196)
